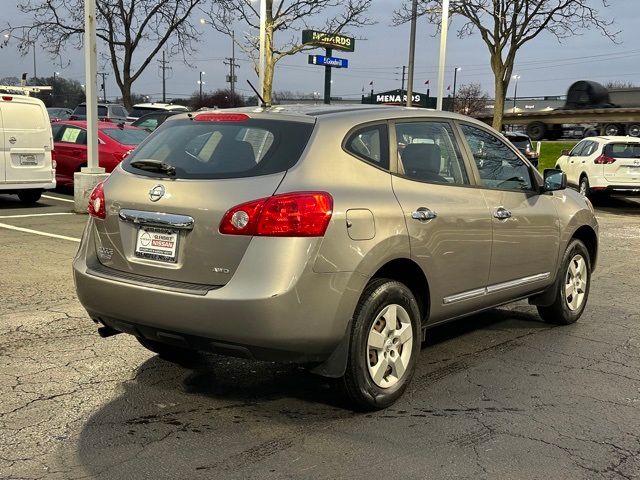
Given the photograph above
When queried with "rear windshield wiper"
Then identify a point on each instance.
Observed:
(150, 165)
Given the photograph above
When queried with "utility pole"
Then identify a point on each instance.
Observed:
(412, 52)
(163, 66)
(231, 61)
(327, 79)
(404, 70)
(104, 85)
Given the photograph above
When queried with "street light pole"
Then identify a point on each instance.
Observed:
(455, 79)
(444, 27)
(515, 93)
(200, 82)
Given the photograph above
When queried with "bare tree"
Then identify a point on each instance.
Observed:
(506, 25)
(285, 17)
(133, 31)
(470, 99)
(616, 84)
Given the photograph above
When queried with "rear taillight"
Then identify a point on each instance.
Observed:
(221, 117)
(119, 156)
(604, 160)
(298, 214)
(96, 206)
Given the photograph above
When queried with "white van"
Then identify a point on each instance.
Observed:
(26, 168)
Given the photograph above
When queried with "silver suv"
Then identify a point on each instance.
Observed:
(333, 237)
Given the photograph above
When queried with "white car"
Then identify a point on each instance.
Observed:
(141, 109)
(603, 165)
(26, 167)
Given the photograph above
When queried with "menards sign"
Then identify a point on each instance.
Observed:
(328, 40)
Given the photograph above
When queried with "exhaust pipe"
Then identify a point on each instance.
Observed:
(107, 331)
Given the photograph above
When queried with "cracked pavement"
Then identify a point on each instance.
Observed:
(499, 395)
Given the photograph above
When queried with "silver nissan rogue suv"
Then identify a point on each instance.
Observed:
(329, 236)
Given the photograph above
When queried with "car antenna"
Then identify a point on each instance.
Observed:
(263, 104)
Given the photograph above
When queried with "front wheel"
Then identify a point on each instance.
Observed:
(572, 286)
(384, 345)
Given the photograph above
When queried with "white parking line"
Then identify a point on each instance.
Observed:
(37, 232)
(36, 215)
(58, 198)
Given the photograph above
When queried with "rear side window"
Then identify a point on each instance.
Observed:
(370, 143)
(126, 136)
(224, 149)
(622, 150)
(72, 134)
(118, 111)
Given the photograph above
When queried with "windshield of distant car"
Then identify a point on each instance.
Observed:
(622, 150)
(214, 149)
(126, 136)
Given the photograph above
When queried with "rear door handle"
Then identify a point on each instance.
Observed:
(501, 213)
(423, 214)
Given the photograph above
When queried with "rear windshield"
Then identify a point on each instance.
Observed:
(520, 142)
(140, 111)
(126, 136)
(622, 150)
(82, 110)
(224, 149)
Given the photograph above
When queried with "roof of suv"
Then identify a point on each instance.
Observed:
(358, 113)
(161, 106)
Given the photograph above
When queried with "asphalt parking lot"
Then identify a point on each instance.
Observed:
(499, 395)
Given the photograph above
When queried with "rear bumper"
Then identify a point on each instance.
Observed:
(618, 189)
(16, 187)
(301, 318)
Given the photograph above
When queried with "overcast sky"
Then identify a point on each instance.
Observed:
(545, 66)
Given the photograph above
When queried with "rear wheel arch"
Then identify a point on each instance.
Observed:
(408, 272)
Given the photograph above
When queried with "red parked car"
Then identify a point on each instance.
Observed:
(115, 141)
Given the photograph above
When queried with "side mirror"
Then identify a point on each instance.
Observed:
(565, 152)
(554, 180)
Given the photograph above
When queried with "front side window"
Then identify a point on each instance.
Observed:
(579, 149)
(428, 152)
(498, 165)
(370, 143)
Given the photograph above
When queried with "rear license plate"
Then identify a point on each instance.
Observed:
(28, 160)
(157, 244)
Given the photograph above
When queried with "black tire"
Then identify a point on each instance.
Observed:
(612, 129)
(583, 186)
(171, 353)
(560, 311)
(536, 130)
(633, 130)
(357, 382)
(29, 196)
(590, 132)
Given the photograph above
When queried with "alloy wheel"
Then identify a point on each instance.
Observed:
(576, 283)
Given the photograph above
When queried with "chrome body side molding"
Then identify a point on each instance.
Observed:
(479, 292)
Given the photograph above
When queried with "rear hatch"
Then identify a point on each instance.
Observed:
(27, 141)
(163, 223)
(621, 162)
